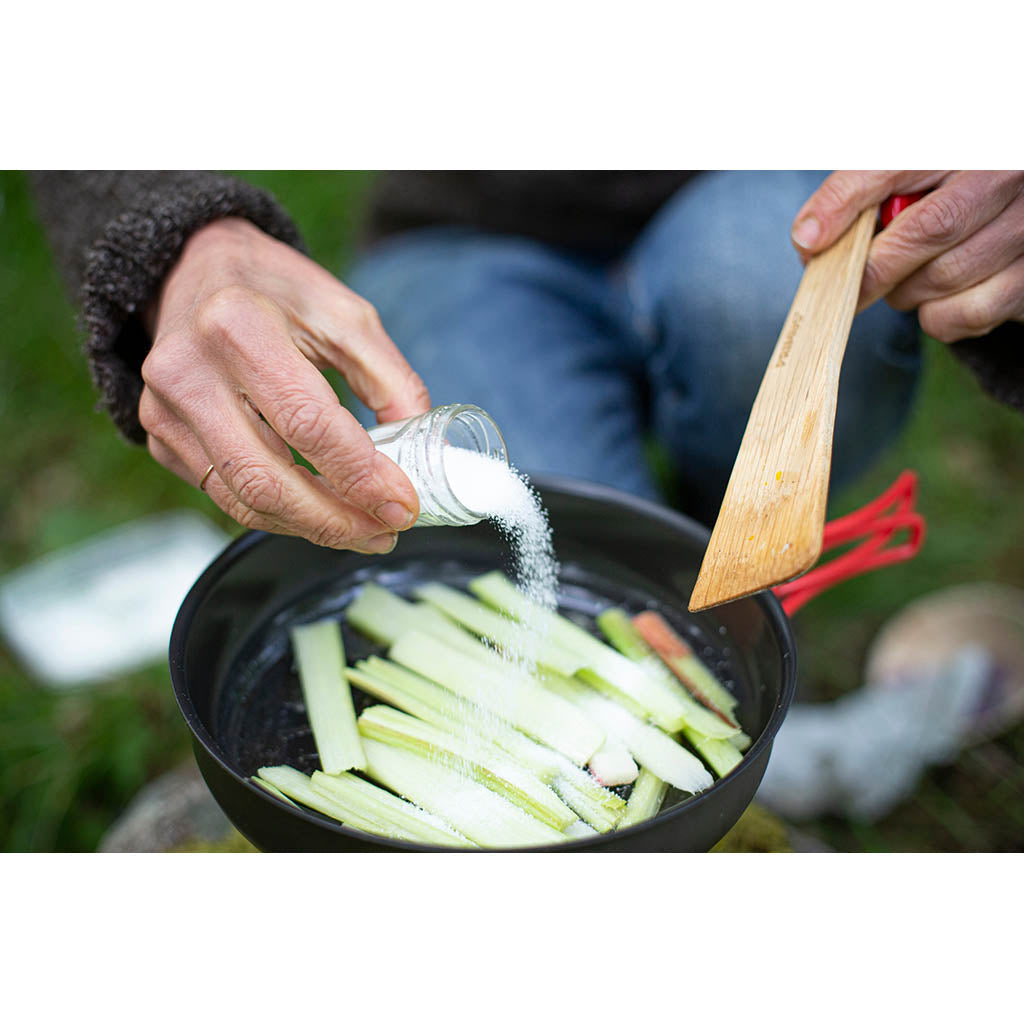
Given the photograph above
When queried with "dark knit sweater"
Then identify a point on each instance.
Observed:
(598, 212)
(116, 234)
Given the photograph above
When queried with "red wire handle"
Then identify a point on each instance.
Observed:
(880, 520)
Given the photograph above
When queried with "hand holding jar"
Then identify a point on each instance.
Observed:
(243, 326)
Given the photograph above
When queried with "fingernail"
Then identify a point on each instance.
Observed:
(806, 232)
(381, 544)
(395, 515)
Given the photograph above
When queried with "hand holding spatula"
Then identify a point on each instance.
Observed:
(770, 525)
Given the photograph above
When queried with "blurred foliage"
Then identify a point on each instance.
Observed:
(966, 449)
(70, 762)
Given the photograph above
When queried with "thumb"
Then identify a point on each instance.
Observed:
(843, 195)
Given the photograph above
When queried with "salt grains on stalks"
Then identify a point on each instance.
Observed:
(495, 490)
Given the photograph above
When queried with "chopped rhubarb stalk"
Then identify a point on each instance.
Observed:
(661, 636)
(677, 654)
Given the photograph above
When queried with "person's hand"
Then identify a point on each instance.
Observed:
(956, 255)
(243, 326)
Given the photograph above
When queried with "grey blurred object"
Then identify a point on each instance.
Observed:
(946, 673)
(175, 810)
(106, 606)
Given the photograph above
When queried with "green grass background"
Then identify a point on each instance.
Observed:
(70, 762)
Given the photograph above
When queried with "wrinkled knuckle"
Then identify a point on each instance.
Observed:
(832, 196)
(249, 518)
(839, 189)
(942, 218)
(257, 487)
(949, 273)
(358, 476)
(228, 502)
(305, 425)
(331, 535)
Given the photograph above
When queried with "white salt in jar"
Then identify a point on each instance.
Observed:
(418, 446)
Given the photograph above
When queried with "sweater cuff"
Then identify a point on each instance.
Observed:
(997, 360)
(127, 264)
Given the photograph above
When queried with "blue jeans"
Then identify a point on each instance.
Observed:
(583, 364)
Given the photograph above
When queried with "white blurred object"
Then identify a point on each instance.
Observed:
(107, 605)
(861, 755)
(944, 674)
(930, 631)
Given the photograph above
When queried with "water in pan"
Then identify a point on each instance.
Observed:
(260, 715)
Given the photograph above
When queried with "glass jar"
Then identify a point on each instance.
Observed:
(417, 445)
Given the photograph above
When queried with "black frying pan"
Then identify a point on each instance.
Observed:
(235, 683)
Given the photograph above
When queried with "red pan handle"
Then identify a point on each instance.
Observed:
(897, 204)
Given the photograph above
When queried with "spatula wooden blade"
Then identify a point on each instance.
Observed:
(770, 525)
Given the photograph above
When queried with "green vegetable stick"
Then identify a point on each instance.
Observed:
(645, 800)
(320, 658)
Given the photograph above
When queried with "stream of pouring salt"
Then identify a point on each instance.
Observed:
(504, 496)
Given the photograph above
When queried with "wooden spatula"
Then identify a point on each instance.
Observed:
(769, 528)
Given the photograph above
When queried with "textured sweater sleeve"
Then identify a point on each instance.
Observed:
(115, 235)
(997, 360)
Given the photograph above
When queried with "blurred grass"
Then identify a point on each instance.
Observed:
(966, 449)
(69, 763)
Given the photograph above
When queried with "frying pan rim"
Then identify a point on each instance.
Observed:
(770, 606)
